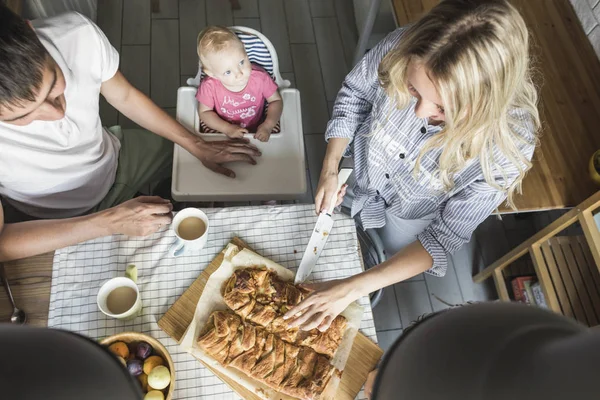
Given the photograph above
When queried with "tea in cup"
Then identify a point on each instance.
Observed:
(190, 225)
(120, 298)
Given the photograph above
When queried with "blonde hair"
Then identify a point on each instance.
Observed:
(476, 53)
(214, 39)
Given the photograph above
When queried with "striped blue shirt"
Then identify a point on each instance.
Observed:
(386, 142)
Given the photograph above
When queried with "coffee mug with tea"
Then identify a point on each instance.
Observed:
(120, 298)
(191, 228)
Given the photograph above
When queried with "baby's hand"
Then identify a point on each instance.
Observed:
(236, 132)
(263, 133)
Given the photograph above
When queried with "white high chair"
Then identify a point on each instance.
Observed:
(280, 173)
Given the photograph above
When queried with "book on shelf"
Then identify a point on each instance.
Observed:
(518, 287)
(538, 295)
(527, 293)
(527, 289)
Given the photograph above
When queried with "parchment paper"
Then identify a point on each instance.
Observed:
(212, 300)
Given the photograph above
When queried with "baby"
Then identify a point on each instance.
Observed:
(232, 96)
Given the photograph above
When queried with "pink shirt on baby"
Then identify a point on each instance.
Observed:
(244, 108)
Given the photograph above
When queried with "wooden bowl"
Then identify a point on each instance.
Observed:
(159, 349)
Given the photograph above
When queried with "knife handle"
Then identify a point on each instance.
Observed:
(343, 176)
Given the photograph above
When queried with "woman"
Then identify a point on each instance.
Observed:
(441, 117)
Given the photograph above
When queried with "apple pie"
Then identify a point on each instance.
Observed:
(297, 371)
(260, 296)
(253, 338)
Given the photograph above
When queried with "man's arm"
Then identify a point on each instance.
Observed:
(137, 217)
(140, 109)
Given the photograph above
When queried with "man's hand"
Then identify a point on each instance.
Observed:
(263, 132)
(235, 132)
(141, 216)
(213, 154)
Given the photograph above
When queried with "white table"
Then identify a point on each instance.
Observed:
(279, 233)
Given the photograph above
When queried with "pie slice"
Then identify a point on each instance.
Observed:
(259, 295)
(297, 371)
(255, 339)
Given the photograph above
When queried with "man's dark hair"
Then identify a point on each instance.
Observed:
(22, 60)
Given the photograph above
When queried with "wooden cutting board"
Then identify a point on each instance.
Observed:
(363, 357)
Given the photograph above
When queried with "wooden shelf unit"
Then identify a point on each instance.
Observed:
(567, 267)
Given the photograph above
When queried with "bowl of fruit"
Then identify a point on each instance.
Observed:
(147, 360)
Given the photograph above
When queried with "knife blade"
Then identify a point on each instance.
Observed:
(320, 233)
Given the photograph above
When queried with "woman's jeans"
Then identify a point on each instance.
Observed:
(397, 232)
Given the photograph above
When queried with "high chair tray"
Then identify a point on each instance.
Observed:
(280, 173)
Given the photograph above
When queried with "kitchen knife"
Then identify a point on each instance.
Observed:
(321, 233)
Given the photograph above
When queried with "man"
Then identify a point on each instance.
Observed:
(56, 159)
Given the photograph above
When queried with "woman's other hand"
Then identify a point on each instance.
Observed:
(326, 302)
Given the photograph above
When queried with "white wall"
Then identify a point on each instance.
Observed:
(588, 12)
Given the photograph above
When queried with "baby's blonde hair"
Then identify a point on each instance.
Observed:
(476, 52)
(214, 39)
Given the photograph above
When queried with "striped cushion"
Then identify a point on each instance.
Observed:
(257, 51)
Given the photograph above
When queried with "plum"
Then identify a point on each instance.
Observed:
(143, 350)
(135, 367)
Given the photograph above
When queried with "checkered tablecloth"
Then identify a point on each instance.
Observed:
(279, 233)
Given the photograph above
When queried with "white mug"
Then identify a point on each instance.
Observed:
(182, 246)
(111, 285)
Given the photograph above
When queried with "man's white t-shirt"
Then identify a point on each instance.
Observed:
(64, 168)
